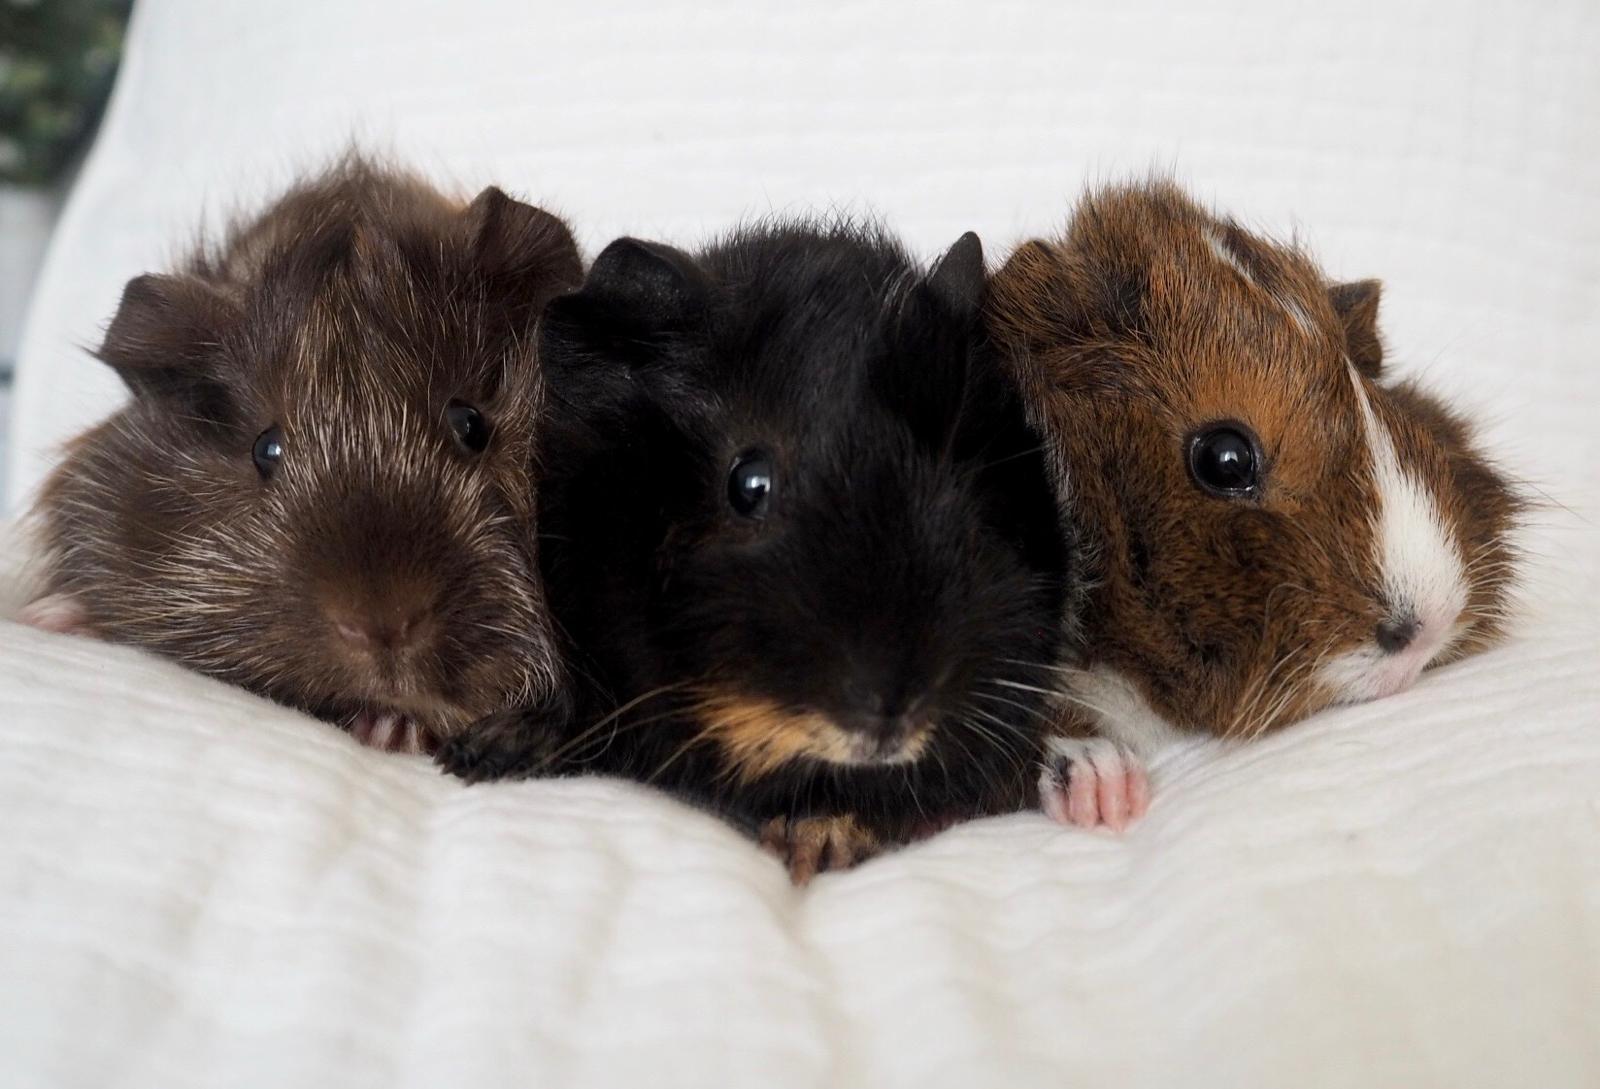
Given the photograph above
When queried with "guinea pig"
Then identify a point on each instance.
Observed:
(801, 537)
(321, 487)
(1271, 525)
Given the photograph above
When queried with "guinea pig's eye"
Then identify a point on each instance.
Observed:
(750, 484)
(268, 451)
(1225, 460)
(468, 425)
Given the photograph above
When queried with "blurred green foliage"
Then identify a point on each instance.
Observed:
(57, 58)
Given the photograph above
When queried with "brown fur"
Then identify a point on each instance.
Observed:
(350, 314)
(1152, 318)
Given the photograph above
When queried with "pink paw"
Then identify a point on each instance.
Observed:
(1090, 781)
(389, 731)
(59, 613)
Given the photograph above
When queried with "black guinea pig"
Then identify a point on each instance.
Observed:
(320, 489)
(800, 537)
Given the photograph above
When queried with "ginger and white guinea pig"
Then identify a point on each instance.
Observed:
(321, 487)
(1270, 525)
(801, 538)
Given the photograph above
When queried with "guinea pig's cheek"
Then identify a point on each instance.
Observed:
(1252, 541)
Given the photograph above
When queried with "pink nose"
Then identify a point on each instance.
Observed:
(371, 632)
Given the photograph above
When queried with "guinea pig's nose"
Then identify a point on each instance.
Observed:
(371, 632)
(1396, 633)
(890, 720)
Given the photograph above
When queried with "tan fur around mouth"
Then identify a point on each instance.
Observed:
(757, 736)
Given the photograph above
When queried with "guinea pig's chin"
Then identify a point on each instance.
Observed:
(756, 735)
(865, 750)
(446, 695)
(844, 748)
(437, 717)
(412, 696)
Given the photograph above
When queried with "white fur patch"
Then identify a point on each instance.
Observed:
(1420, 568)
(1121, 712)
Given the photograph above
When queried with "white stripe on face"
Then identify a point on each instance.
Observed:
(1420, 572)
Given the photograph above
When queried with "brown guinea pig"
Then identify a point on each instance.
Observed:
(321, 489)
(1270, 526)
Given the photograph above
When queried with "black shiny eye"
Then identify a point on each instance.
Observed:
(268, 451)
(469, 427)
(1225, 460)
(750, 484)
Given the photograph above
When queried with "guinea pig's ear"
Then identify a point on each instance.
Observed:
(1357, 306)
(636, 291)
(957, 277)
(656, 284)
(163, 339)
(529, 249)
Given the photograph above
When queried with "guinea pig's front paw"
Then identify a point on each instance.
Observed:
(390, 731)
(59, 613)
(1090, 781)
(512, 744)
(810, 845)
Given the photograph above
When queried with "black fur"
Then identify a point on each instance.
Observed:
(911, 549)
